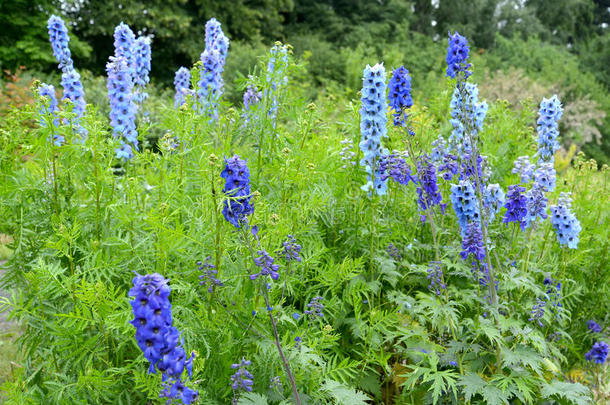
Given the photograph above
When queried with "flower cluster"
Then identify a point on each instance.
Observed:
(73, 91)
(124, 41)
(142, 56)
(493, 200)
(594, 326)
(472, 244)
(439, 150)
(516, 206)
(208, 278)
(182, 83)
(393, 252)
(215, 39)
(347, 154)
(553, 294)
(464, 203)
(536, 205)
(211, 85)
(277, 67)
(122, 107)
(427, 187)
(457, 56)
(467, 116)
(538, 311)
(598, 353)
(58, 35)
(315, 308)
(435, 277)
(565, 222)
(373, 122)
(524, 168)
(157, 338)
(396, 167)
(237, 187)
(449, 166)
(545, 177)
(252, 97)
(265, 263)
(48, 107)
(291, 249)
(399, 95)
(242, 380)
(548, 131)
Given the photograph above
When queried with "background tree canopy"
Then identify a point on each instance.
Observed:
(328, 33)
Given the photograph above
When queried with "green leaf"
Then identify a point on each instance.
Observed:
(344, 395)
(252, 398)
(472, 384)
(574, 392)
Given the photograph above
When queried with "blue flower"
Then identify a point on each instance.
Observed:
(251, 98)
(524, 169)
(182, 82)
(315, 308)
(464, 203)
(439, 150)
(467, 116)
(242, 380)
(545, 177)
(73, 91)
(493, 200)
(49, 107)
(265, 263)
(516, 206)
(237, 187)
(598, 353)
(473, 242)
(457, 56)
(594, 326)
(435, 277)
(373, 120)
(399, 95)
(124, 47)
(159, 341)
(395, 167)
(538, 311)
(216, 40)
(567, 227)
(277, 78)
(536, 205)
(209, 275)
(210, 83)
(291, 249)
(427, 187)
(142, 56)
(548, 131)
(122, 107)
(58, 35)
(124, 151)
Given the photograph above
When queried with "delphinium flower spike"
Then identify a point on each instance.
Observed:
(49, 108)
(373, 121)
(435, 277)
(159, 341)
(208, 278)
(122, 106)
(464, 203)
(524, 168)
(467, 116)
(124, 47)
(548, 131)
(427, 187)
(277, 78)
(58, 35)
(142, 55)
(594, 326)
(242, 380)
(291, 249)
(399, 95)
(73, 91)
(265, 262)
(457, 56)
(251, 98)
(516, 206)
(598, 353)
(182, 83)
(493, 199)
(237, 187)
(211, 85)
(567, 226)
(315, 308)
(396, 168)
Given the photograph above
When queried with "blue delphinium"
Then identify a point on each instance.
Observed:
(124, 47)
(251, 98)
(373, 121)
(493, 200)
(449, 166)
(598, 353)
(237, 187)
(315, 308)
(49, 108)
(538, 311)
(472, 244)
(594, 326)
(439, 150)
(399, 95)
(124, 151)
(208, 278)
(242, 380)
(548, 131)
(277, 78)
(265, 262)
(291, 249)
(467, 116)
(545, 177)
(567, 226)
(516, 206)
(209, 87)
(536, 205)
(159, 341)
(435, 277)
(73, 91)
(393, 252)
(58, 35)
(553, 295)
(122, 107)
(464, 203)
(457, 56)
(395, 167)
(182, 83)
(215, 39)
(524, 169)
(142, 56)
(427, 187)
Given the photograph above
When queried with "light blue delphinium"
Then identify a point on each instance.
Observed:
(548, 131)
(182, 82)
(467, 116)
(122, 106)
(124, 46)
(142, 56)
(524, 169)
(277, 78)
(49, 108)
(210, 84)
(567, 226)
(58, 35)
(73, 91)
(493, 199)
(464, 203)
(373, 126)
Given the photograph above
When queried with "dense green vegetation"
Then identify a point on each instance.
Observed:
(79, 223)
